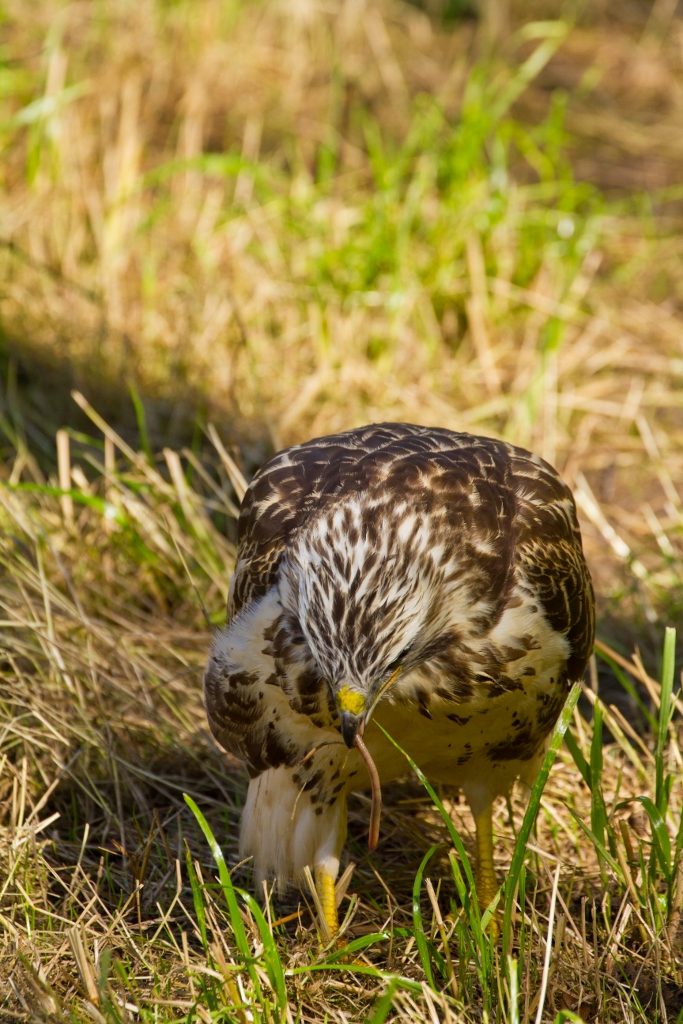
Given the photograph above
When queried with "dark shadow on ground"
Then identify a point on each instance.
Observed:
(35, 402)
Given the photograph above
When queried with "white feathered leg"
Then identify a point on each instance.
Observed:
(284, 834)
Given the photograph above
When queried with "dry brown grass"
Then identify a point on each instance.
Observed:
(291, 307)
(265, 214)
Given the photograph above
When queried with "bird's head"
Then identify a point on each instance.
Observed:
(363, 583)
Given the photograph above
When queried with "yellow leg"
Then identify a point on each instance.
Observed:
(485, 874)
(324, 884)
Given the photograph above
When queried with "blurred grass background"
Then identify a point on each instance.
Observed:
(295, 218)
(230, 226)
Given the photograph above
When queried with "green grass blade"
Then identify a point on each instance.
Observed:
(532, 810)
(668, 662)
(271, 955)
(445, 816)
(598, 816)
(660, 836)
(356, 945)
(579, 760)
(552, 34)
(229, 892)
(197, 899)
(665, 711)
(368, 970)
(383, 1004)
(90, 500)
(600, 847)
(458, 879)
(420, 937)
(513, 989)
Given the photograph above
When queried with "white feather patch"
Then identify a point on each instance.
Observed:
(284, 834)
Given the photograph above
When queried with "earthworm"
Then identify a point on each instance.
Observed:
(376, 811)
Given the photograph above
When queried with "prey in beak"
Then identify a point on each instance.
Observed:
(353, 716)
(351, 726)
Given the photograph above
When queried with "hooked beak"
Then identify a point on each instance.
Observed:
(352, 708)
(351, 726)
(353, 711)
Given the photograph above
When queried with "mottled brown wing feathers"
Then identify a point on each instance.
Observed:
(522, 504)
(548, 547)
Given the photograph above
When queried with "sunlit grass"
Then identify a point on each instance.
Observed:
(119, 908)
(432, 259)
(361, 247)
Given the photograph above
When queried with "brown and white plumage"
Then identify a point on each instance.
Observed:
(454, 561)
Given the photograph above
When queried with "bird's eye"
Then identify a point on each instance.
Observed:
(405, 653)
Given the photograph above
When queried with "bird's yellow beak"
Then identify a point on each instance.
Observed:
(353, 709)
(351, 706)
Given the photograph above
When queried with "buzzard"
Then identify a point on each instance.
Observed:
(430, 581)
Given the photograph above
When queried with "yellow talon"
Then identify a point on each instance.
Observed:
(485, 873)
(324, 884)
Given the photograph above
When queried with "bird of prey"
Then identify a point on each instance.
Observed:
(430, 581)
